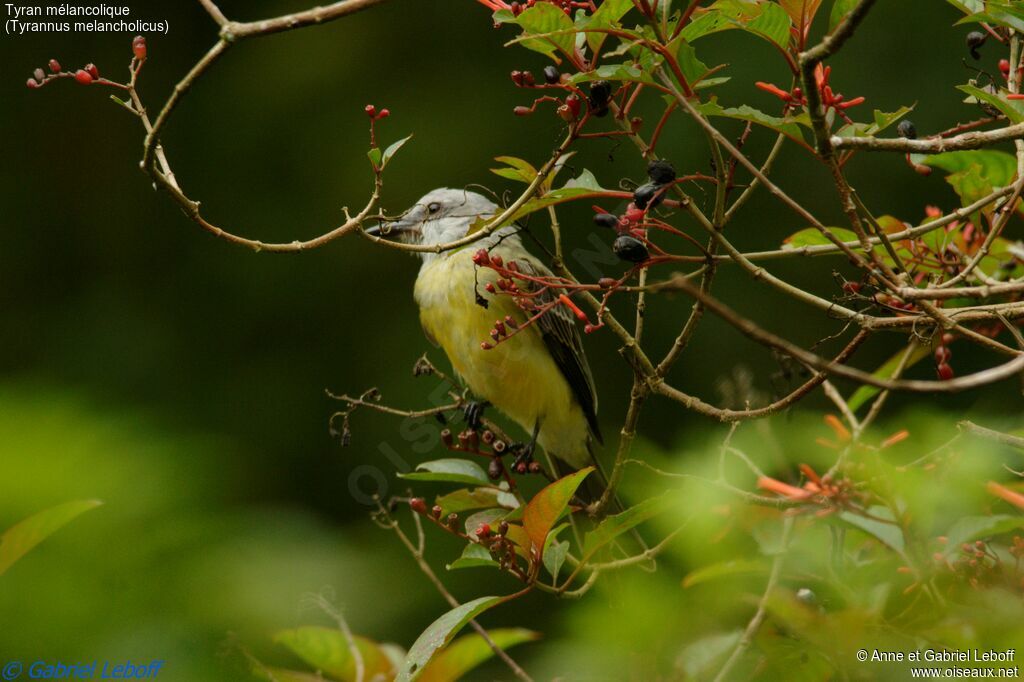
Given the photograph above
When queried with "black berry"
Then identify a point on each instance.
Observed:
(606, 220)
(907, 129)
(661, 172)
(975, 39)
(630, 249)
(551, 75)
(648, 196)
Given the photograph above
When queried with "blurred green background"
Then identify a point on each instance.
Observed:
(182, 379)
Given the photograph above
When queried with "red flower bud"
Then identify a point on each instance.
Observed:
(139, 47)
(418, 505)
(384, 113)
(54, 66)
(481, 257)
(92, 71)
(83, 77)
(945, 372)
(370, 110)
(522, 111)
(31, 83)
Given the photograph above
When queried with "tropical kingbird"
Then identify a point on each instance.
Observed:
(538, 376)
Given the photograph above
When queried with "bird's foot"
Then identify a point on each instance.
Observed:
(473, 412)
(522, 457)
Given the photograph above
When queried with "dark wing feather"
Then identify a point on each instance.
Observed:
(562, 338)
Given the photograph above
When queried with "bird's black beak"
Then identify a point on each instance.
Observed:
(397, 231)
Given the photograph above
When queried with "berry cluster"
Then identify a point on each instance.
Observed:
(486, 443)
(88, 74)
(570, 107)
(495, 540)
(631, 242)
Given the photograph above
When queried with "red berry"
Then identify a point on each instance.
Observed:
(945, 372)
(54, 66)
(1004, 67)
(573, 102)
(943, 355)
(92, 70)
(418, 505)
(31, 83)
(370, 110)
(947, 339)
(522, 111)
(483, 530)
(384, 113)
(139, 47)
(83, 77)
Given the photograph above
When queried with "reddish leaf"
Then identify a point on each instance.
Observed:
(543, 511)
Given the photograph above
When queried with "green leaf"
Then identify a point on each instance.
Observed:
(583, 185)
(439, 634)
(706, 24)
(865, 393)
(327, 649)
(707, 653)
(393, 149)
(473, 556)
(772, 24)
(970, 528)
(19, 539)
(614, 526)
(517, 169)
(886, 532)
(840, 8)
(608, 15)
(691, 67)
(450, 470)
(469, 651)
(968, 6)
(465, 499)
(997, 167)
(555, 551)
(1012, 110)
(554, 31)
(546, 507)
(374, 156)
(625, 72)
(882, 120)
(1002, 13)
(725, 569)
(811, 236)
(788, 127)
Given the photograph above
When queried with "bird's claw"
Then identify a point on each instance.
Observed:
(473, 412)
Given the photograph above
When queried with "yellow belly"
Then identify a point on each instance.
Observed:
(517, 376)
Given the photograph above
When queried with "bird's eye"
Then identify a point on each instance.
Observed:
(434, 207)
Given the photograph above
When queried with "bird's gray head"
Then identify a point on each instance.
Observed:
(439, 217)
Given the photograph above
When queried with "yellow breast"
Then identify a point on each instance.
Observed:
(518, 376)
